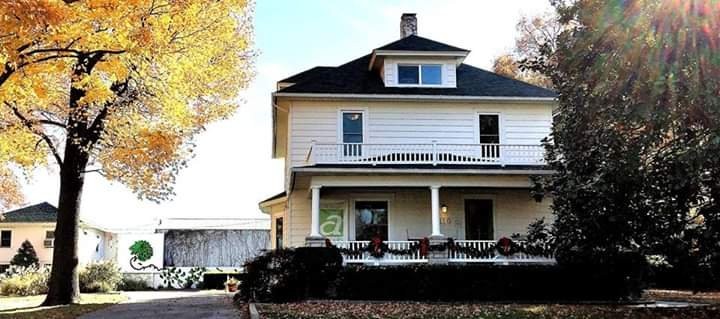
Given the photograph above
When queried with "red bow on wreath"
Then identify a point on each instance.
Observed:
(377, 246)
(424, 247)
(505, 246)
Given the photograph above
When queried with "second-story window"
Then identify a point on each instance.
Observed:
(489, 129)
(420, 74)
(352, 130)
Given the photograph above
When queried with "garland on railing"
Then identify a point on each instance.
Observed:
(504, 246)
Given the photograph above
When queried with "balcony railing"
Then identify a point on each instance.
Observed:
(433, 154)
(453, 256)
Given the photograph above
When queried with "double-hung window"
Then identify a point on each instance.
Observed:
(352, 133)
(5, 238)
(420, 74)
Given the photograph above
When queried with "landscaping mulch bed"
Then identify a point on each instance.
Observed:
(683, 295)
(402, 310)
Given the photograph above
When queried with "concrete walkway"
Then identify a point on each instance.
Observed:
(171, 305)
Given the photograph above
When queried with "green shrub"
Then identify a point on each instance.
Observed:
(290, 274)
(133, 284)
(24, 281)
(100, 277)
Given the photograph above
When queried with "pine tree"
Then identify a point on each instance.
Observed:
(25, 256)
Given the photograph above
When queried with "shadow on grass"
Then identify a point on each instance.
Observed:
(54, 312)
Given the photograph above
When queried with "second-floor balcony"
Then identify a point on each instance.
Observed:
(429, 154)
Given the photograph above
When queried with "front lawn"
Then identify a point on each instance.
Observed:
(27, 307)
(402, 310)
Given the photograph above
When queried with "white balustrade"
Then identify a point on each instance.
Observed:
(473, 154)
(454, 256)
(366, 258)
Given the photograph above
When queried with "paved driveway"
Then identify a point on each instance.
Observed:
(171, 305)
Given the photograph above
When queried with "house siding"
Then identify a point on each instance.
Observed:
(405, 122)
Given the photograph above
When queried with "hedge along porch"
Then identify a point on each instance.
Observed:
(475, 211)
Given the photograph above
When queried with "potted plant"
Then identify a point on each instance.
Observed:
(231, 284)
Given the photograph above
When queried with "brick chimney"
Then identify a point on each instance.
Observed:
(408, 25)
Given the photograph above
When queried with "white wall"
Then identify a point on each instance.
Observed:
(125, 240)
(404, 122)
(92, 245)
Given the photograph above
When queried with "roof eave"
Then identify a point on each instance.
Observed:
(414, 97)
(460, 55)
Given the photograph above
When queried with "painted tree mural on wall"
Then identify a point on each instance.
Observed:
(113, 87)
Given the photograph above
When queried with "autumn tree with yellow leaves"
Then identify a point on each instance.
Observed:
(114, 87)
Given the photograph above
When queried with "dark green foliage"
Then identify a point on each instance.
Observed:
(26, 256)
(142, 250)
(316, 273)
(290, 274)
(636, 138)
(577, 282)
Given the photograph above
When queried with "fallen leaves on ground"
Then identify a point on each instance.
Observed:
(412, 310)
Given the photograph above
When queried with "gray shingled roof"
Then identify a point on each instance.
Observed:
(418, 43)
(39, 213)
(355, 78)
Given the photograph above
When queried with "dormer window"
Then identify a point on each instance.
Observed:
(420, 74)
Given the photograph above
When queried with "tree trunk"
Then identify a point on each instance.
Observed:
(64, 285)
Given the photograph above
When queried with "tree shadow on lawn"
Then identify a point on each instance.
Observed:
(28, 307)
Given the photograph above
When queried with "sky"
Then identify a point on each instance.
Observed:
(233, 169)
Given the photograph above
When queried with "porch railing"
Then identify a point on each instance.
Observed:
(432, 153)
(494, 257)
(453, 256)
(388, 258)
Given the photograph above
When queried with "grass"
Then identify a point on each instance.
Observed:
(27, 307)
(407, 310)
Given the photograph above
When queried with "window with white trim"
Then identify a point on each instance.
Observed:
(371, 220)
(352, 132)
(489, 129)
(420, 74)
(49, 241)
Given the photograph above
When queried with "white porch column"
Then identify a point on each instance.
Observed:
(315, 212)
(435, 204)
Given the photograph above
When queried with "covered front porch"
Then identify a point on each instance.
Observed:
(450, 222)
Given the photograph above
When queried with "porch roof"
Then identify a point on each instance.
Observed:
(450, 169)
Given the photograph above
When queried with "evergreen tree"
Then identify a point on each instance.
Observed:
(25, 256)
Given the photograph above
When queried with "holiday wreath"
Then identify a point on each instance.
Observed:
(504, 246)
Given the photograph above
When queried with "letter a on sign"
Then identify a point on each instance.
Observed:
(331, 222)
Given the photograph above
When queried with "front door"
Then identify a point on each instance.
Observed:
(479, 219)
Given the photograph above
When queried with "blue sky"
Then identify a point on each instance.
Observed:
(233, 170)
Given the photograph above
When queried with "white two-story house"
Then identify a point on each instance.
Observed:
(406, 143)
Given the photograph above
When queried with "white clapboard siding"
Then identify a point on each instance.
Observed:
(414, 123)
